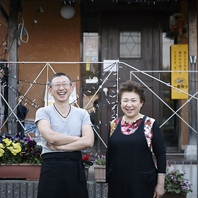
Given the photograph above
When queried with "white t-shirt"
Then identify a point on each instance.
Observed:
(71, 125)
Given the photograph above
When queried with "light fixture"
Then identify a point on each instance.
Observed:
(67, 11)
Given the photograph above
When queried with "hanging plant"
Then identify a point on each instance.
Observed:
(178, 27)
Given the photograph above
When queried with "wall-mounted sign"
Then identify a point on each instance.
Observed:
(90, 50)
(110, 65)
(179, 71)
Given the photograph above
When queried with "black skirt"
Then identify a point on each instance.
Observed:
(62, 176)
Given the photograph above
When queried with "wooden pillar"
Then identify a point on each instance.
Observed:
(193, 137)
(13, 68)
(192, 119)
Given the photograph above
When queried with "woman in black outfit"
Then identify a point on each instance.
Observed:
(130, 169)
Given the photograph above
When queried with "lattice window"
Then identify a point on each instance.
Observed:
(130, 44)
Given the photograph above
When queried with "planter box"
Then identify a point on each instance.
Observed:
(100, 173)
(169, 195)
(20, 171)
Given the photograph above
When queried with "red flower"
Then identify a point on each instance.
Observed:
(86, 157)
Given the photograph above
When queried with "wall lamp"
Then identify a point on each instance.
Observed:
(67, 11)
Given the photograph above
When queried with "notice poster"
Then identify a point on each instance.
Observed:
(179, 71)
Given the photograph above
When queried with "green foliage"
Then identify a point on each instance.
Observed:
(16, 150)
(101, 160)
(175, 182)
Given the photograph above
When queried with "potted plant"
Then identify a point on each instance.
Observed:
(178, 27)
(100, 168)
(175, 183)
(17, 155)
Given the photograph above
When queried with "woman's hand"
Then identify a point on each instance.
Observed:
(159, 191)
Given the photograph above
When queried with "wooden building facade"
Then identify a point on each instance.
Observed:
(128, 33)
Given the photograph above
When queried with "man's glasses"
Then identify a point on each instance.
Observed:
(58, 85)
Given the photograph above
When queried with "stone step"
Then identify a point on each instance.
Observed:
(28, 189)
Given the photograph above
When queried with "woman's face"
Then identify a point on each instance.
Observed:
(130, 104)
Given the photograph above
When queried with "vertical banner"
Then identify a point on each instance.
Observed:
(179, 71)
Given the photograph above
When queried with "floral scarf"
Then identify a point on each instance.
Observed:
(128, 128)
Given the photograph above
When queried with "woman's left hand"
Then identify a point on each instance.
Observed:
(159, 191)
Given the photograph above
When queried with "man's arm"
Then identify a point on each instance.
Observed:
(54, 137)
(86, 141)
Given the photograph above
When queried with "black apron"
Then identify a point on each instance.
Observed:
(62, 176)
(132, 173)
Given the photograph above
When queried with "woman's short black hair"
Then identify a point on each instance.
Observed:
(131, 86)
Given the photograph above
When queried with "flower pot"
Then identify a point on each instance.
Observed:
(20, 171)
(100, 173)
(170, 195)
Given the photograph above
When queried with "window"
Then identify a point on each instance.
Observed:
(130, 44)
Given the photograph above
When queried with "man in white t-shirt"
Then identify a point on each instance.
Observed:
(65, 131)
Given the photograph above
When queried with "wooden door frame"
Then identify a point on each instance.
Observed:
(107, 53)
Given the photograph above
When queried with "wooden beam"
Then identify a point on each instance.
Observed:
(5, 15)
(13, 68)
(192, 10)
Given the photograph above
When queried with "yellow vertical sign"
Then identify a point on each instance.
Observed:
(179, 71)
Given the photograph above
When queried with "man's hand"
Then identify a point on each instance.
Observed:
(51, 146)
